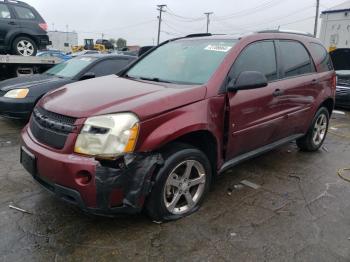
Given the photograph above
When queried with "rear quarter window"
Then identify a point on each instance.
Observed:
(321, 57)
(24, 13)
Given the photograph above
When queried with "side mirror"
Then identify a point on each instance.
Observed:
(88, 75)
(247, 80)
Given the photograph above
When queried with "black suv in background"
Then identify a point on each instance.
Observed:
(22, 29)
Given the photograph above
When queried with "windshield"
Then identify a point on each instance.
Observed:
(70, 68)
(184, 61)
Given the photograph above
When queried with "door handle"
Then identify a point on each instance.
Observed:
(314, 81)
(12, 23)
(278, 92)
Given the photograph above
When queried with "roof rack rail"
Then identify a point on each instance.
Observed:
(287, 32)
(199, 35)
(14, 2)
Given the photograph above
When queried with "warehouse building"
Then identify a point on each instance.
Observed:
(335, 29)
(63, 41)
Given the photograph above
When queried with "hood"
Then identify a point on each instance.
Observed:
(341, 59)
(112, 94)
(30, 81)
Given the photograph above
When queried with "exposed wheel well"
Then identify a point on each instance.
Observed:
(204, 141)
(329, 104)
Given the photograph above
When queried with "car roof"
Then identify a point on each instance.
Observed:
(270, 33)
(18, 3)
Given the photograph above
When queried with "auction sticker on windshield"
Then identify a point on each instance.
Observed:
(218, 48)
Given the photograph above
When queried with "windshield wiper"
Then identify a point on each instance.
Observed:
(155, 79)
(127, 76)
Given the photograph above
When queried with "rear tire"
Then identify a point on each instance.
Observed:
(24, 46)
(180, 185)
(317, 133)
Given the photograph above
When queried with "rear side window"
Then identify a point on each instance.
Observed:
(259, 56)
(24, 13)
(296, 60)
(109, 67)
(4, 12)
(321, 57)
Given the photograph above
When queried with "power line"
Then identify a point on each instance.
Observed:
(261, 28)
(116, 28)
(173, 27)
(297, 21)
(250, 26)
(171, 33)
(249, 11)
(183, 18)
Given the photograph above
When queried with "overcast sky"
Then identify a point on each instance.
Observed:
(136, 20)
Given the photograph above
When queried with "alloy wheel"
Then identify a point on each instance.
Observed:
(184, 187)
(320, 129)
(25, 48)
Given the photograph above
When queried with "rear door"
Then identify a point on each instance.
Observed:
(299, 86)
(7, 23)
(29, 19)
(254, 116)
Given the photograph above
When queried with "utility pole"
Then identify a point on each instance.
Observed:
(316, 17)
(160, 9)
(208, 19)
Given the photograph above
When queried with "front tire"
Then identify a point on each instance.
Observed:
(24, 46)
(180, 185)
(316, 134)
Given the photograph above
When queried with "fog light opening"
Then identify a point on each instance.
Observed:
(83, 178)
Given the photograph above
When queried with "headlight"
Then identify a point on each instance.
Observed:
(17, 93)
(108, 136)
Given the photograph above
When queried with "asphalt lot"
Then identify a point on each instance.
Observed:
(300, 212)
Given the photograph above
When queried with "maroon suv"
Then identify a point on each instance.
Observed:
(156, 135)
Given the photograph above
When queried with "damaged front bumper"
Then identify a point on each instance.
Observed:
(133, 176)
(112, 187)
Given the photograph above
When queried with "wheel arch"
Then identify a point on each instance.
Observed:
(329, 103)
(15, 36)
(203, 140)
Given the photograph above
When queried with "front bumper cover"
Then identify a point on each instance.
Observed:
(119, 186)
(134, 180)
(343, 97)
(133, 177)
(16, 108)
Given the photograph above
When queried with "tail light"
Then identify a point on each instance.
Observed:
(43, 26)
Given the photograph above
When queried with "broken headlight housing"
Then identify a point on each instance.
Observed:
(108, 136)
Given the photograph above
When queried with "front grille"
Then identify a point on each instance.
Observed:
(50, 128)
(54, 116)
(2, 93)
(343, 81)
(343, 91)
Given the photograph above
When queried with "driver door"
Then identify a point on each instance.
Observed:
(255, 116)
